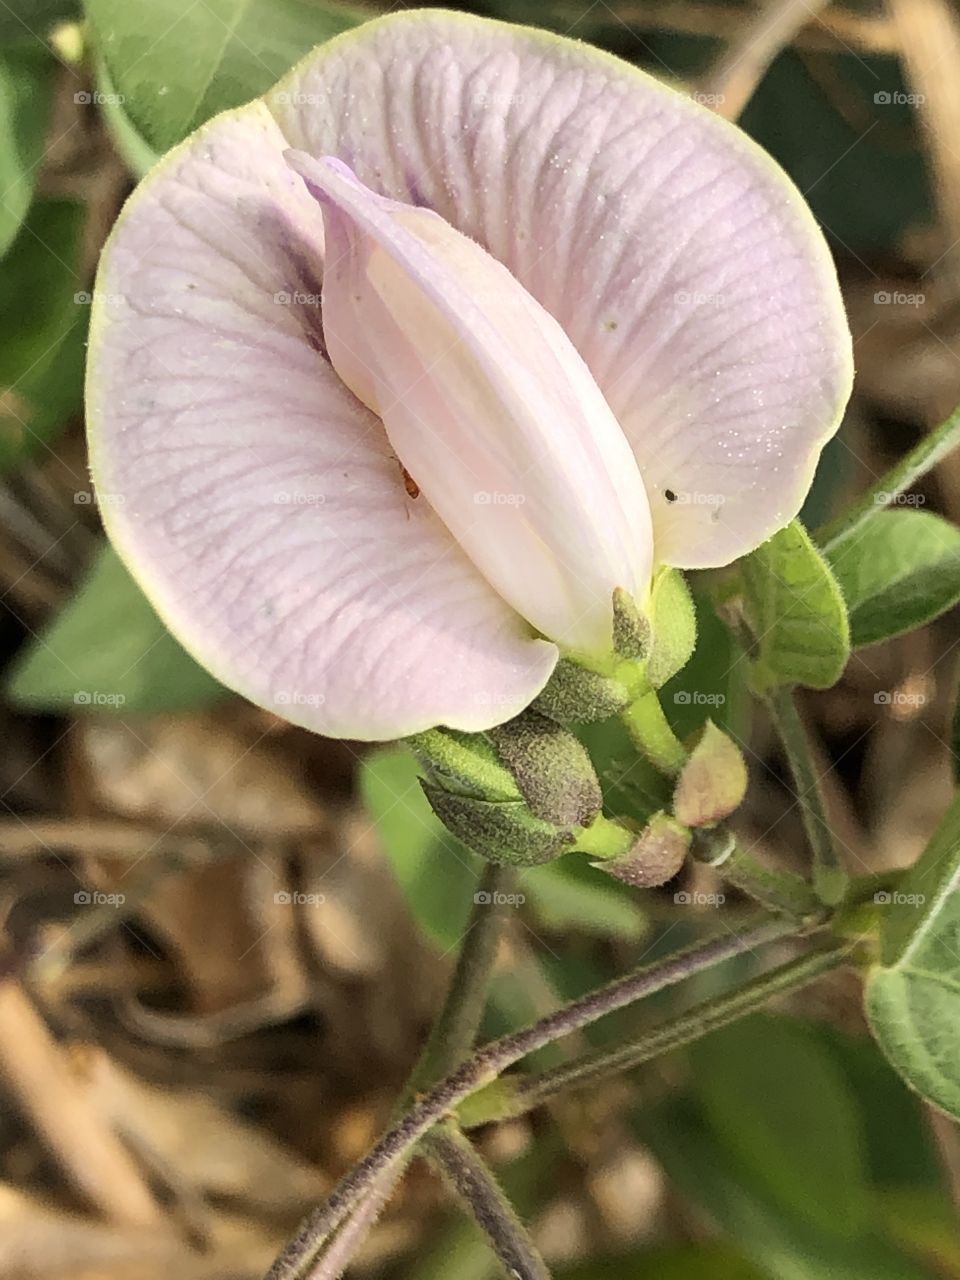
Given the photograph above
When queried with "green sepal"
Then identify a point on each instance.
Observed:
(464, 763)
(656, 855)
(673, 619)
(505, 832)
(551, 767)
(713, 781)
(576, 695)
(631, 629)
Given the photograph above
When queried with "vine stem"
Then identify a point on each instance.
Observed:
(469, 1177)
(829, 878)
(510, 1097)
(489, 1062)
(934, 446)
(451, 1039)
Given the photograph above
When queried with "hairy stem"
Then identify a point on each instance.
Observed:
(829, 878)
(489, 1062)
(451, 1039)
(772, 887)
(462, 1168)
(932, 449)
(455, 1030)
(652, 735)
(509, 1096)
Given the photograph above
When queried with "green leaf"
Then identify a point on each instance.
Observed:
(26, 82)
(779, 1103)
(108, 651)
(898, 571)
(178, 64)
(42, 330)
(913, 995)
(796, 613)
(787, 1248)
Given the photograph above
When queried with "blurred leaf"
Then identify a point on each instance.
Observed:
(777, 1101)
(913, 995)
(684, 1262)
(632, 787)
(925, 1223)
(899, 570)
(713, 683)
(570, 894)
(786, 1247)
(796, 613)
(438, 874)
(176, 65)
(131, 147)
(23, 19)
(108, 651)
(42, 329)
(26, 82)
(897, 1142)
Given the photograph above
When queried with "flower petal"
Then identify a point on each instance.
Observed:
(258, 503)
(488, 405)
(677, 256)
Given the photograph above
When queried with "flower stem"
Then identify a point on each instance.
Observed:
(472, 1181)
(774, 888)
(512, 1096)
(450, 1040)
(932, 449)
(455, 1029)
(652, 735)
(489, 1062)
(829, 878)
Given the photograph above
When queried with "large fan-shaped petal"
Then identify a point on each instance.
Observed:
(680, 260)
(257, 501)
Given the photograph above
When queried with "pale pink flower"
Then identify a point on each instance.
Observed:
(573, 328)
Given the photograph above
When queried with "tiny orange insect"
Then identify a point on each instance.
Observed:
(411, 486)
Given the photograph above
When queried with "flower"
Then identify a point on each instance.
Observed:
(571, 327)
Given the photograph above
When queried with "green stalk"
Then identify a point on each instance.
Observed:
(829, 878)
(933, 448)
(513, 1096)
